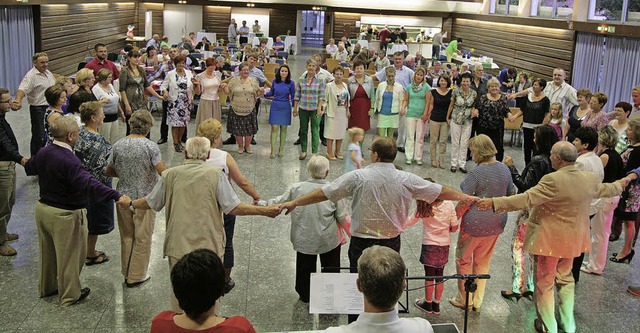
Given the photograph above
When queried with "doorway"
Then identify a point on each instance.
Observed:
(312, 28)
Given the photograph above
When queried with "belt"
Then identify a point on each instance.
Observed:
(7, 163)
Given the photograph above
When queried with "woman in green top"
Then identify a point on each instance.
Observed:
(415, 110)
(452, 48)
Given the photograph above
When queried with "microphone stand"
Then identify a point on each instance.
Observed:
(469, 287)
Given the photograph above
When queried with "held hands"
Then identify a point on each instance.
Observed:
(15, 105)
(511, 117)
(624, 182)
(124, 200)
(448, 121)
(320, 112)
(287, 207)
(508, 161)
(24, 160)
(511, 96)
(403, 111)
(475, 113)
(485, 204)
(271, 211)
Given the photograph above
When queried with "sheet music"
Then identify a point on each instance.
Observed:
(335, 293)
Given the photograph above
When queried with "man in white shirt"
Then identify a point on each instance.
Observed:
(232, 33)
(33, 85)
(155, 42)
(558, 92)
(381, 198)
(244, 33)
(342, 54)
(381, 281)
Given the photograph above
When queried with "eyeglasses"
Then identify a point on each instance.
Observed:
(5, 102)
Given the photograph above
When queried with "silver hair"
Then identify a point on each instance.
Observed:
(318, 167)
(493, 81)
(62, 126)
(197, 148)
(566, 151)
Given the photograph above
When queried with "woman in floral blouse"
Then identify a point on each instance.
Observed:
(94, 150)
(459, 117)
(491, 109)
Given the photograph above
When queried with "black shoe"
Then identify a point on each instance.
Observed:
(613, 238)
(453, 169)
(135, 284)
(230, 141)
(230, 284)
(324, 143)
(435, 307)
(626, 258)
(161, 141)
(423, 305)
(401, 149)
(253, 141)
(510, 295)
(84, 292)
(297, 142)
(463, 170)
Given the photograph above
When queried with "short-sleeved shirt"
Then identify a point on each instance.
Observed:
(243, 95)
(492, 113)
(349, 164)
(34, 85)
(417, 100)
(404, 75)
(93, 150)
(436, 228)
(486, 181)
(134, 160)
(381, 198)
(462, 106)
(96, 66)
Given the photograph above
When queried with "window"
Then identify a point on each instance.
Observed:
(606, 10)
(552, 8)
(507, 7)
(633, 14)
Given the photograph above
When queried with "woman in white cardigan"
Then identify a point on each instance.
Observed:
(389, 99)
(180, 84)
(337, 113)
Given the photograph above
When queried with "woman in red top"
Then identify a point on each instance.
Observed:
(198, 283)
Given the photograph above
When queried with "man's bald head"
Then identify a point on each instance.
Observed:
(566, 151)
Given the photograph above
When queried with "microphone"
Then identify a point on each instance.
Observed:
(473, 276)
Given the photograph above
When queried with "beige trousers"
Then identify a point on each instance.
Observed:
(550, 272)
(136, 230)
(473, 256)
(438, 132)
(62, 236)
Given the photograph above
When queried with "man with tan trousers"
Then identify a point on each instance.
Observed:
(195, 195)
(557, 230)
(61, 216)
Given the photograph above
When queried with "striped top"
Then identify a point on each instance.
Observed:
(34, 84)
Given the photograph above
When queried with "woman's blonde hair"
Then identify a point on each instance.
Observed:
(390, 70)
(83, 75)
(634, 126)
(493, 81)
(210, 129)
(103, 74)
(483, 148)
(141, 122)
(353, 131)
(88, 110)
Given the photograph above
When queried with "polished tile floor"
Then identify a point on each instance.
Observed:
(265, 262)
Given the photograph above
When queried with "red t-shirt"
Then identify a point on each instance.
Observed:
(384, 34)
(163, 323)
(96, 66)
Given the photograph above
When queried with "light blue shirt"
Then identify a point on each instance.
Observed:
(403, 76)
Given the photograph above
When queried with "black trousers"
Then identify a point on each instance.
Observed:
(577, 262)
(528, 145)
(496, 136)
(358, 245)
(306, 264)
(229, 228)
(164, 128)
(36, 112)
(474, 132)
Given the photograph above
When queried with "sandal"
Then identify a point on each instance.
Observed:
(101, 258)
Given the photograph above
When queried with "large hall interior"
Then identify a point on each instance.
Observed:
(589, 46)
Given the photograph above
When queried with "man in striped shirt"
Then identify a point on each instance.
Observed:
(33, 85)
(558, 92)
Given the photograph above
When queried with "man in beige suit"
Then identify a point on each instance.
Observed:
(557, 230)
(195, 194)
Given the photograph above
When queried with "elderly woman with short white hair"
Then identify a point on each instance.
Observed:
(491, 109)
(324, 236)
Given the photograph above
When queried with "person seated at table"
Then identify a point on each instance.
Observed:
(278, 45)
(191, 60)
(150, 58)
(356, 50)
(346, 43)
(341, 54)
(331, 48)
(223, 67)
(204, 45)
(263, 50)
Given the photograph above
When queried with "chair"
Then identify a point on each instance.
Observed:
(332, 63)
(197, 55)
(218, 49)
(270, 76)
(372, 66)
(345, 64)
(515, 128)
(280, 61)
(88, 59)
(270, 68)
(283, 55)
(370, 72)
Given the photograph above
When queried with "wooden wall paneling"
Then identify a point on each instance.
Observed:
(281, 20)
(217, 19)
(447, 25)
(69, 32)
(157, 18)
(342, 19)
(535, 49)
